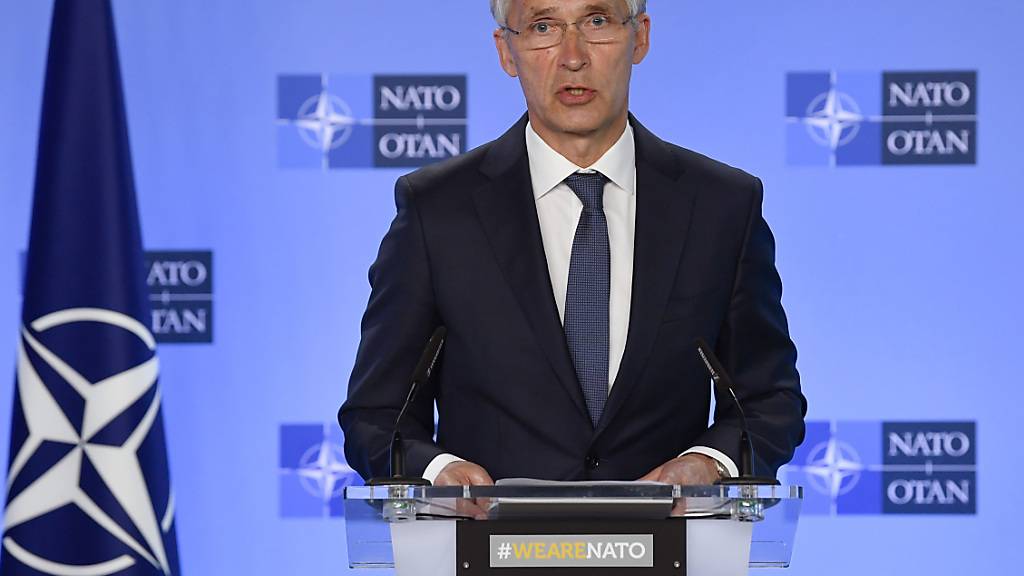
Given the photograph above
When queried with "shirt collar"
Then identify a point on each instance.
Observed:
(548, 168)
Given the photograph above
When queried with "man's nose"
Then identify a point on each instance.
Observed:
(574, 50)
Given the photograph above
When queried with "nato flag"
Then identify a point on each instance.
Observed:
(88, 489)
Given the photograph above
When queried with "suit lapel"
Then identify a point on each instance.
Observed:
(508, 212)
(664, 206)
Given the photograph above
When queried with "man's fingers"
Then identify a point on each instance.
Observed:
(690, 470)
(685, 470)
(463, 474)
(678, 507)
(479, 477)
(448, 478)
(469, 507)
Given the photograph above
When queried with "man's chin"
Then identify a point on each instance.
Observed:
(576, 121)
(587, 128)
(580, 124)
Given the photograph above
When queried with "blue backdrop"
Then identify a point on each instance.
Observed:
(899, 279)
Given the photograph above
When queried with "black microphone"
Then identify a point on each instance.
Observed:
(722, 381)
(420, 375)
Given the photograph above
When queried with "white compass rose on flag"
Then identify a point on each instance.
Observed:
(118, 466)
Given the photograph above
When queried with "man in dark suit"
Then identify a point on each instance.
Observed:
(574, 261)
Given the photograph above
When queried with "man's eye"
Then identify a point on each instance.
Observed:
(599, 21)
(542, 27)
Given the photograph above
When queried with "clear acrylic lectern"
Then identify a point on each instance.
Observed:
(540, 528)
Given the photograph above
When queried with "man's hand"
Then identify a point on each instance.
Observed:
(463, 474)
(466, 474)
(688, 470)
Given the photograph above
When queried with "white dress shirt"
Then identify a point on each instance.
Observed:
(559, 210)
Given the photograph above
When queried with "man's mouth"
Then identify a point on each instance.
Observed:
(576, 90)
(576, 95)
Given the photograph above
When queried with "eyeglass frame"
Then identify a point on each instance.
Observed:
(565, 29)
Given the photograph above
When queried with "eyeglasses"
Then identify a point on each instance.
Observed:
(595, 29)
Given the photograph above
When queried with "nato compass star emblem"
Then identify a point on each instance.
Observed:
(830, 466)
(323, 471)
(315, 123)
(130, 516)
(833, 119)
(325, 121)
(313, 471)
(833, 468)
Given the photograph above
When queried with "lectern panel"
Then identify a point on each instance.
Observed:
(552, 547)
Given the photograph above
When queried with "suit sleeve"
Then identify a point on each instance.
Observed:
(399, 319)
(755, 347)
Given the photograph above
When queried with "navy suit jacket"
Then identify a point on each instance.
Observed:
(465, 251)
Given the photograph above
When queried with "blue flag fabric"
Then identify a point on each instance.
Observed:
(88, 488)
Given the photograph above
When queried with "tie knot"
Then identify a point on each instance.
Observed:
(589, 187)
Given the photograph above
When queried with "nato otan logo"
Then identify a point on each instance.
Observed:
(312, 471)
(860, 467)
(181, 295)
(343, 121)
(892, 118)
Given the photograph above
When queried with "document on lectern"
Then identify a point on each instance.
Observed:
(578, 507)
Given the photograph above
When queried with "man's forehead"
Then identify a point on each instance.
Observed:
(534, 8)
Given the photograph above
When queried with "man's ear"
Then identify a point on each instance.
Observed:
(508, 62)
(643, 38)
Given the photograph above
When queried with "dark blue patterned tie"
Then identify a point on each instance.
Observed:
(586, 299)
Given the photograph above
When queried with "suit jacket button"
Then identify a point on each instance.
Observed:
(591, 462)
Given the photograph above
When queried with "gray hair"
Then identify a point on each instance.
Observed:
(499, 8)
